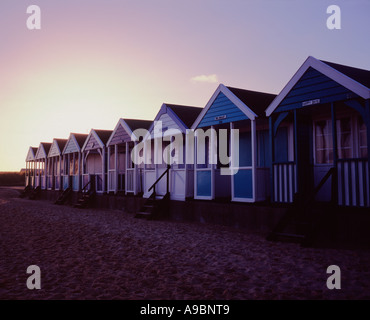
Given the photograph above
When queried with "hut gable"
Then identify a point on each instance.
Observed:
(96, 139)
(31, 154)
(124, 129)
(74, 143)
(119, 134)
(92, 142)
(229, 104)
(57, 147)
(43, 150)
(321, 82)
(169, 115)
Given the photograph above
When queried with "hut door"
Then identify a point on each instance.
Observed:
(243, 179)
(304, 155)
(204, 177)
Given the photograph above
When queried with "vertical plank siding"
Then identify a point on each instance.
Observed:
(353, 182)
(284, 181)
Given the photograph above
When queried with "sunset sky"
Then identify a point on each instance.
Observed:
(95, 61)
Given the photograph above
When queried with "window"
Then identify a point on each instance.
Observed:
(362, 138)
(324, 140)
(344, 138)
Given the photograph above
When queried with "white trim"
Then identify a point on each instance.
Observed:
(325, 69)
(30, 153)
(41, 153)
(232, 97)
(254, 159)
(166, 110)
(121, 122)
(92, 133)
(72, 137)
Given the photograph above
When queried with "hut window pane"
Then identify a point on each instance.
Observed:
(362, 138)
(344, 138)
(111, 159)
(323, 142)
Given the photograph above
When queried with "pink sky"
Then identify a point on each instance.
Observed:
(93, 62)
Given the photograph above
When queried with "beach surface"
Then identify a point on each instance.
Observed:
(108, 254)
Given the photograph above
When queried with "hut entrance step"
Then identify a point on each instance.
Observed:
(85, 199)
(26, 191)
(35, 194)
(64, 196)
(154, 207)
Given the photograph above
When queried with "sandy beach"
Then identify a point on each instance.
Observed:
(101, 254)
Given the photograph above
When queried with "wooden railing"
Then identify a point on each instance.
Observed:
(166, 172)
(353, 182)
(130, 180)
(284, 181)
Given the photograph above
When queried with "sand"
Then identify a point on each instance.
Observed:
(108, 254)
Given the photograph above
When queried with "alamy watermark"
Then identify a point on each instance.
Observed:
(332, 22)
(34, 280)
(200, 147)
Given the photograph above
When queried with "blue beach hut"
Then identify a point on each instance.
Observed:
(322, 119)
(240, 114)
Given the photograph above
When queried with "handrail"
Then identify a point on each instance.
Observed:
(85, 186)
(323, 180)
(165, 172)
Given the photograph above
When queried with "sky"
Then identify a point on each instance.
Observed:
(95, 61)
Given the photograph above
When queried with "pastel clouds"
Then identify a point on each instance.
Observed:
(212, 78)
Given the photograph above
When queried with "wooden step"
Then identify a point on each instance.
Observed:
(143, 215)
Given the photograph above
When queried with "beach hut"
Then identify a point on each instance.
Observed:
(231, 146)
(323, 115)
(123, 174)
(54, 174)
(71, 168)
(94, 160)
(165, 148)
(30, 167)
(41, 160)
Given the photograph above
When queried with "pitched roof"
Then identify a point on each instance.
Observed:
(104, 135)
(187, 114)
(47, 146)
(61, 143)
(353, 79)
(360, 75)
(256, 101)
(138, 124)
(80, 138)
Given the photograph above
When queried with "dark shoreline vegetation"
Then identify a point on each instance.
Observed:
(12, 178)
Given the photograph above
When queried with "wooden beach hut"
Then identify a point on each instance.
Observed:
(94, 160)
(323, 114)
(72, 163)
(166, 140)
(123, 174)
(30, 167)
(239, 127)
(41, 161)
(53, 169)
